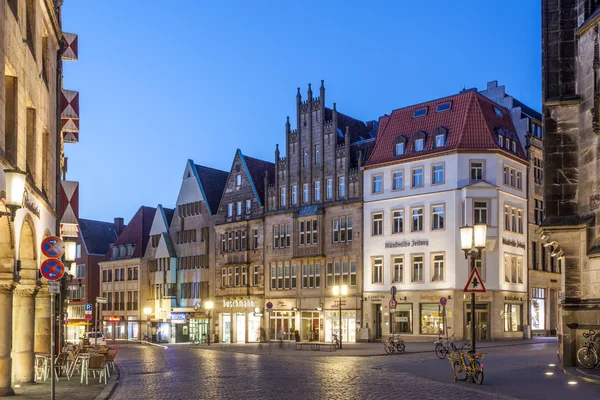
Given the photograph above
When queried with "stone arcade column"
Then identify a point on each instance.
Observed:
(23, 332)
(6, 308)
(42, 321)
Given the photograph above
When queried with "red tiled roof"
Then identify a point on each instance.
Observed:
(471, 123)
(257, 169)
(213, 183)
(137, 232)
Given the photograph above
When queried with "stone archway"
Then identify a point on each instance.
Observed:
(7, 265)
(24, 304)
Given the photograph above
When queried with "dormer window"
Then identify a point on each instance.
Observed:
(497, 111)
(444, 106)
(129, 250)
(500, 140)
(399, 148)
(514, 147)
(420, 112)
(115, 252)
(440, 140)
(122, 251)
(419, 144)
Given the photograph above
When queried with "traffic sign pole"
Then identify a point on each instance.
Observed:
(52, 344)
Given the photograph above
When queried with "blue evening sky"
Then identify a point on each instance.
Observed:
(161, 82)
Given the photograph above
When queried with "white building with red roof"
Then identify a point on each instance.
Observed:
(437, 166)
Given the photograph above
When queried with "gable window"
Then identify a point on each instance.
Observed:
(437, 174)
(342, 187)
(419, 144)
(282, 197)
(397, 180)
(318, 191)
(417, 268)
(238, 180)
(443, 107)
(476, 170)
(377, 270)
(377, 224)
(230, 209)
(440, 140)
(239, 208)
(317, 153)
(305, 193)
(417, 219)
(479, 212)
(417, 177)
(398, 221)
(294, 194)
(399, 148)
(329, 189)
(437, 217)
(249, 206)
(398, 269)
(420, 112)
(305, 157)
(378, 183)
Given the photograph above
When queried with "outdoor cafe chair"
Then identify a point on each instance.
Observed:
(97, 363)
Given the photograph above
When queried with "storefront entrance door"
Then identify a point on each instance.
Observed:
(240, 323)
(378, 321)
(482, 321)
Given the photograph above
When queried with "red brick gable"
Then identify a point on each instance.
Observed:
(471, 123)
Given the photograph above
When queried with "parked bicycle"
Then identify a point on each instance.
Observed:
(394, 343)
(335, 342)
(588, 355)
(466, 364)
(442, 346)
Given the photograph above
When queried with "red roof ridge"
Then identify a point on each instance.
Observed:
(472, 100)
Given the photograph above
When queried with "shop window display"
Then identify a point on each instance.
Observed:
(401, 319)
(513, 317)
(431, 319)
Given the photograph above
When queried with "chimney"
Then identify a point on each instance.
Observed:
(119, 225)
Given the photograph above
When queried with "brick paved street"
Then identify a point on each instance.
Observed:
(194, 372)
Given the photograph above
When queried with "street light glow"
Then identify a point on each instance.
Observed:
(208, 305)
(466, 238)
(147, 311)
(549, 373)
(480, 232)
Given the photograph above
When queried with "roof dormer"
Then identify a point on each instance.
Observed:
(440, 137)
(399, 146)
(419, 141)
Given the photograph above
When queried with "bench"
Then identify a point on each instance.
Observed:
(315, 346)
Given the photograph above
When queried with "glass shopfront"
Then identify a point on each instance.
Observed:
(332, 325)
(198, 330)
(312, 325)
(133, 328)
(240, 328)
(226, 328)
(75, 331)
(163, 332)
(401, 319)
(282, 325)
(253, 328)
(431, 319)
(538, 309)
(513, 317)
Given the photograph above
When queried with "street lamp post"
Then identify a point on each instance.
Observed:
(339, 292)
(472, 241)
(208, 305)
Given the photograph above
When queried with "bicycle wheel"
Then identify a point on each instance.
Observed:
(587, 358)
(388, 348)
(335, 344)
(400, 347)
(460, 372)
(477, 373)
(440, 351)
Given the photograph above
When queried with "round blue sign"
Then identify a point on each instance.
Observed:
(52, 269)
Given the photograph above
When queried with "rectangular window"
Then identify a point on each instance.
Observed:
(398, 221)
(336, 229)
(317, 275)
(302, 233)
(311, 276)
(513, 317)
(80, 271)
(329, 189)
(230, 276)
(294, 195)
(237, 276)
(342, 229)
(377, 224)
(286, 276)
(512, 177)
(349, 229)
(238, 180)
(275, 236)
(255, 239)
(317, 154)
(538, 171)
(239, 208)
(417, 268)
(397, 181)
(237, 241)
(255, 277)
(377, 270)
(345, 275)
(280, 276)
(506, 218)
(538, 211)
(519, 180)
(419, 144)
(417, 177)
(476, 170)
(273, 276)
(305, 157)
(249, 206)
(329, 274)
(314, 231)
(224, 277)
(480, 212)
(304, 276)
(420, 112)
(399, 148)
(293, 276)
(305, 193)
(317, 190)
(440, 140)
(520, 221)
(353, 273)
(438, 268)
(230, 209)
(377, 184)
(398, 269)
(287, 235)
(505, 175)
(336, 267)
(342, 187)
(437, 217)
(417, 219)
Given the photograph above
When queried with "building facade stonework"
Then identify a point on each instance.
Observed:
(571, 124)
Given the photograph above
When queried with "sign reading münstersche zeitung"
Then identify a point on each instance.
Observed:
(407, 243)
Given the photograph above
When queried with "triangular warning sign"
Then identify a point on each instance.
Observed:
(475, 284)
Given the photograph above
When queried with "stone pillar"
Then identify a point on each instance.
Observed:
(6, 311)
(23, 328)
(42, 321)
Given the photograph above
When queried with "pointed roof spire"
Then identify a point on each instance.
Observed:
(287, 122)
(334, 107)
(322, 83)
(309, 92)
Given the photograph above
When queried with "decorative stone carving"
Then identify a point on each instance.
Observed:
(26, 290)
(595, 201)
(6, 286)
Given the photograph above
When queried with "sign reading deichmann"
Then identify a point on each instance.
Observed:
(407, 243)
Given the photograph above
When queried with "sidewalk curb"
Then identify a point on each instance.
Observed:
(595, 381)
(109, 390)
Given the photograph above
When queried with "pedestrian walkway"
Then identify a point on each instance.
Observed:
(351, 349)
(587, 375)
(70, 389)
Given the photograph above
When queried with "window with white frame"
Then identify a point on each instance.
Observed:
(437, 268)
(419, 144)
(512, 177)
(255, 241)
(377, 270)
(397, 180)
(513, 219)
(329, 189)
(480, 212)
(437, 217)
(377, 224)
(397, 221)
(294, 194)
(480, 265)
(317, 190)
(417, 268)
(352, 272)
(255, 276)
(397, 269)
(440, 140)
(476, 170)
(275, 236)
(399, 148)
(329, 272)
(417, 219)
(513, 268)
(238, 180)
(305, 193)
(377, 184)
(80, 273)
(417, 177)
(282, 197)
